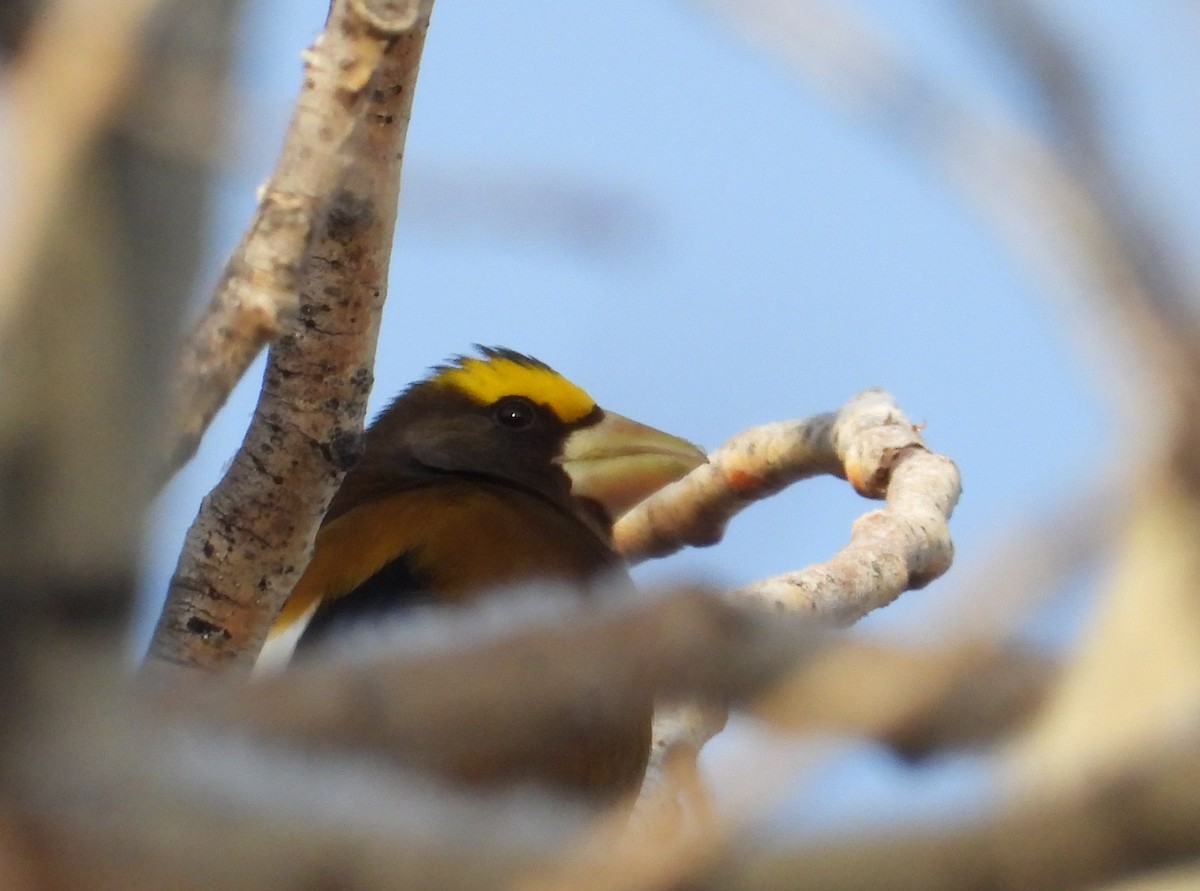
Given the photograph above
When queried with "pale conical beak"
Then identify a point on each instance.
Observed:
(619, 462)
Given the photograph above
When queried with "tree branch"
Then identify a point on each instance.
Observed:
(446, 697)
(870, 443)
(258, 293)
(1143, 284)
(255, 529)
(905, 545)
(917, 701)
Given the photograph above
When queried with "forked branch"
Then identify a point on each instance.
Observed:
(259, 290)
(256, 528)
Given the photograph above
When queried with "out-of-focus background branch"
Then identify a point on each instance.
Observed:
(334, 775)
(102, 238)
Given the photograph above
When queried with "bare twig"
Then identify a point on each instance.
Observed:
(259, 291)
(252, 538)
(971, 694)
(1142, 284)
(916, 702)
(1144, 630)
(753, 465)
(1063, 207)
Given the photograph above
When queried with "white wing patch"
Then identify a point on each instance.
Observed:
(278, 649)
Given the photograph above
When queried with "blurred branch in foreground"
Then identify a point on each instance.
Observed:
(1141, 817)
(340, 773)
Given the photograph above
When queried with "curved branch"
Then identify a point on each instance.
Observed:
(902, 546)
(868, 442)
(751, 466)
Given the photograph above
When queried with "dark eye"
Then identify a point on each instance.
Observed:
(514, 411)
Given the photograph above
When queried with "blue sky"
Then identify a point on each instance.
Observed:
(674, 220)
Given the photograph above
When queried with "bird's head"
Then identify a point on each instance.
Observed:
(509, 419)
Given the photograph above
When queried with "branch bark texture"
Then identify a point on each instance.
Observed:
(352, 61)
(869, 442)
(255, 529)
(902, 546)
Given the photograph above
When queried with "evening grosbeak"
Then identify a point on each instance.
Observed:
(490, 472)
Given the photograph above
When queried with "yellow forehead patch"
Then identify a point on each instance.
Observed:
(496, 376)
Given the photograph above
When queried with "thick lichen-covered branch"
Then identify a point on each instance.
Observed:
(259, 292)
(253, 535)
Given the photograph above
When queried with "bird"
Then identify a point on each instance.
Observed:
(493, 471)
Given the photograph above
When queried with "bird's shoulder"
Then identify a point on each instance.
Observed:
(448, 542)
